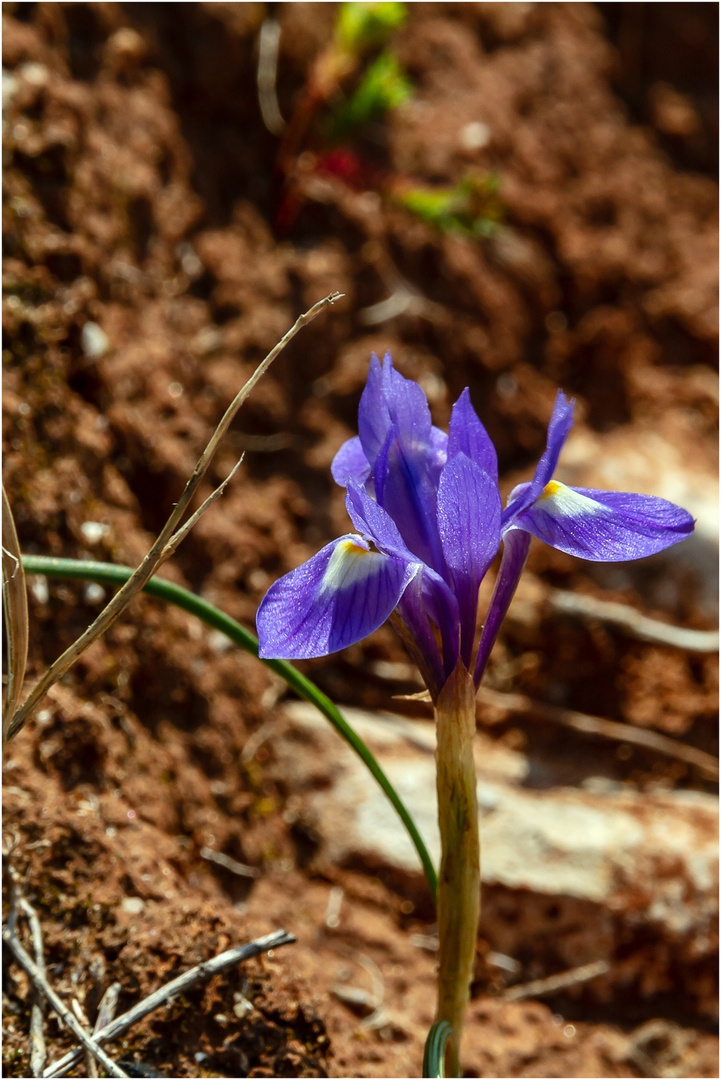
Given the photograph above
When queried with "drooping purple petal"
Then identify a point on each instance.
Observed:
(515, 552)
(374, 523)
(605, 526)
(469, 523)
(467, 435)
(558, 429)
(338, 597)
(350, 463)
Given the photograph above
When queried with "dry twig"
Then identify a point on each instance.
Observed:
(41, 984)
(181, 984)
(228, 863)
(539, 987)
(15, 606)
(607, 729)
(38, 1050)
(163, 546)
(633, 622)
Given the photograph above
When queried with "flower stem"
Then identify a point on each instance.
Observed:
(459, 883)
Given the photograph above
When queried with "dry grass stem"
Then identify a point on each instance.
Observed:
(633, 622)
(38, 1050)
(607, 729)
(181, 984)
(162, 547)
(15, 605)
(42, 986)
(228, 863)
(539, 987)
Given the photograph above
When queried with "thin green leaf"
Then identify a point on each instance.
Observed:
(108, 573)
(434, 1054)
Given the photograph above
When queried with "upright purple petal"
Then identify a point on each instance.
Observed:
(338, 597)
(604, 526)
(350, 463)
(406, 485)
(558, 429)
(467, 435)
(469, 523)
(373, 416)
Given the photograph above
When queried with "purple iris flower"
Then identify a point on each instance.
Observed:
(427, 511)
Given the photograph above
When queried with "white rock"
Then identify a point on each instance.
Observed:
(569, 875)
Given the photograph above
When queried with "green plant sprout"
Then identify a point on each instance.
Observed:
(363, 26)
(471, 207)
(383, 86)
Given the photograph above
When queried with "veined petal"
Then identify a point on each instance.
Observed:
(469, 518)
(604, 526)
(375, 523)
(350, 463)
(469, 523)
(390, 399)
(516, 543)
(373, 417)
(467, 435)
(437, 600)
(560, 424)
(406, 487)
(338, 597)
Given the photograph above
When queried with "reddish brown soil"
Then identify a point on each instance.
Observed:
(140, 195)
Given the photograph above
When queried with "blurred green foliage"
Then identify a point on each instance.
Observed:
(472, 207)
(383, 86)
(360, 27)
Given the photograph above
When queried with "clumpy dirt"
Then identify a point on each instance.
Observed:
(154, 251)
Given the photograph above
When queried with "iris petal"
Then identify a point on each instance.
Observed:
(605, 526)
(350, 463)
(406, 485)
(373, 417)
(434, 599)
(469, 522)
(467, 435)
(525, 494)
(338, 597)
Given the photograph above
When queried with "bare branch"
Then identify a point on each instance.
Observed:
(539, 987)
(41, 984)
(633, 622)
(607, 729)
(228, 863)
(157, 554)
(199, 973)
(38, 1050)
(193, 520)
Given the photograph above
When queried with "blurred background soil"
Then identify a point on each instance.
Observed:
(153, 252)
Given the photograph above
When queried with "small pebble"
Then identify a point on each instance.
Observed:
(132, 905)
(94, 341)
(474, 136)
(94, 593)
(93, 531)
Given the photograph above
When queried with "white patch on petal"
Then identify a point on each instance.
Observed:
(557, 500)
(350, 564)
